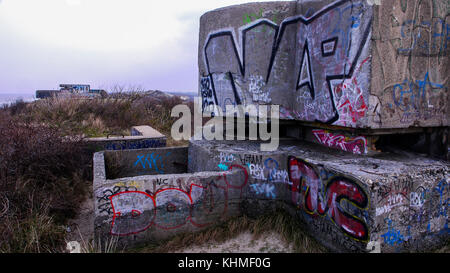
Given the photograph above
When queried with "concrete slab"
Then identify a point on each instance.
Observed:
(394, 202)
(142, 209)
(146, 131)
(343, 63)
(142, 137)
(389, 202)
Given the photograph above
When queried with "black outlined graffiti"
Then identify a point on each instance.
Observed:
(305, 74)
(329, 47)
(343, 47)
(208, 96)
(104, 200)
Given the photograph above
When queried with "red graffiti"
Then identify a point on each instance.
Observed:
(321, 199)
(356, 145)
(171, 208)
(349, 100)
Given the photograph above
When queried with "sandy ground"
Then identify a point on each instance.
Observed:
(81, 229)
(244, 243)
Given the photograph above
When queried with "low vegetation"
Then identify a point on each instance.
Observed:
(43, 179)
(280, 222)
(100, 117)
(45, 174)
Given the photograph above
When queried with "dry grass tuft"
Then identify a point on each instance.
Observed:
(279, 222)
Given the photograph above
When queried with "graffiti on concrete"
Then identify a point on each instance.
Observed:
(418, 99)
(206, 91)
(135, 145)
(425, 38)
(356, 145)
(268, 170)
(332, 43)
(151, 161)
(104, 199)
(410, 213)
(266, 189)
(393, 201)
(171, 207)
(318, 197)
(392, 236)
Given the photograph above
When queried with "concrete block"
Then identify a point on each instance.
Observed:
(142, 209)
(349, 203)
(344, 63)
(393, 202)
(129, 163)
(145, 131)
(142, 137)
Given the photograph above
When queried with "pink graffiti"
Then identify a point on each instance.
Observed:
(136, 211)
(356, 145)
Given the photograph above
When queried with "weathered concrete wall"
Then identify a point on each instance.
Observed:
(147, 208)
(344, 63)
(393, 202)
(146, 162)
(410, 68)
(142, 137)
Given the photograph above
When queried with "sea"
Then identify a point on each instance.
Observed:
(8, 98)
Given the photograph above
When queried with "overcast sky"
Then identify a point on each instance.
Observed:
(133, 43)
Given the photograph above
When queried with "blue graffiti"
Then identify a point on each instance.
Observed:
(271, 165)
(151, 161)
(264, 189)
(439, 42)
(392, 236)
(355, 20)
(414, 93)
(223, 167)
(443, 205)
(130, 145)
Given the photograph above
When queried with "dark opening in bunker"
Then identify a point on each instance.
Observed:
(158, 161)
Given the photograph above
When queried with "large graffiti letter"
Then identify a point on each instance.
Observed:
(210, 205)
(341, 188)
(133, 213)
(305, 179)
(173, 208)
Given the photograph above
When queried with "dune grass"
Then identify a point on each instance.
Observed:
(43, 179)
(100, 116)
(45, 170)
(279, 222)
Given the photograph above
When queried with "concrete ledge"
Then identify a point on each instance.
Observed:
(393, 202)
(396, 202)
(129, 163)
(147, 208)
(142, 137)
(145, 131)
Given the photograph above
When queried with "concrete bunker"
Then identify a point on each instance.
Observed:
(321, 62)
(348, 203)
(153, 197)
